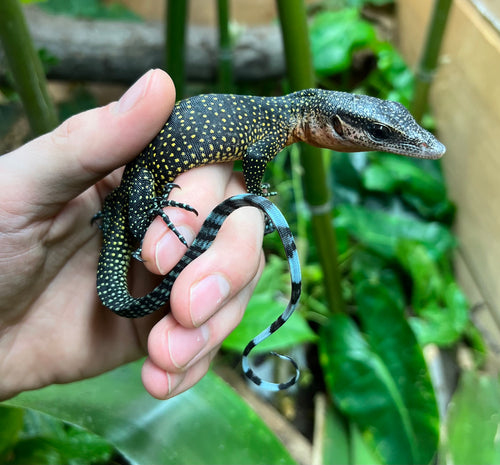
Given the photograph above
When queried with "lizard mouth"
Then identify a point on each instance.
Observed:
(434, 150)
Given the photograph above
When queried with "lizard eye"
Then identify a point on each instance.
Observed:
(379, 131)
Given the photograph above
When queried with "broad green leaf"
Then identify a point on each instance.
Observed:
(472, 422)
(342, 442)
(266, 304)
(381, 231)
(207, 424)
(379, 378)
(334, 36)
(334, 438)
(11, 424)
(71, 446)
(361, 452)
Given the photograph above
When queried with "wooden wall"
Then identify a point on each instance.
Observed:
(466, 102)
(205, 11)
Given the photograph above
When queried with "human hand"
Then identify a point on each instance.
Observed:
(53, 329)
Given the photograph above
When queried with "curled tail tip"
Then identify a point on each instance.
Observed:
(268, 385)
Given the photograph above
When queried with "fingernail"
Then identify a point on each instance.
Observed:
(184, 344)
(173, 382)
(134, 93)
(164, 247)
(206, 297)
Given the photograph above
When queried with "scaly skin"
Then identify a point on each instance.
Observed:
(217, 128)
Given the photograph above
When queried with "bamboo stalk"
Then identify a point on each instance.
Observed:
(26, 68)
(225, 53)
(175, 37)
(300, 74)
(428, 61)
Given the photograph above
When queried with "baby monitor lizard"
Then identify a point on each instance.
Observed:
(217, 128)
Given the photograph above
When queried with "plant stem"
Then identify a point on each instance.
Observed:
(175, 37)
(26, 68)
(300, 73)
(225, 53)
(429, 58)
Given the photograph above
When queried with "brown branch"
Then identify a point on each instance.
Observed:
(120, 51)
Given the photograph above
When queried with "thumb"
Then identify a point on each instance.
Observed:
(57, 166)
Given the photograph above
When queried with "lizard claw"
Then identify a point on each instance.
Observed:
(96, 218)
(137, 255)
(265, 190)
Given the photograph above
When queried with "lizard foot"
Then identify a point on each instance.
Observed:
(265, 190)
(96, 218)
(163, 201)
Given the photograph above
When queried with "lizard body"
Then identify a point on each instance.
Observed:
(216, 128)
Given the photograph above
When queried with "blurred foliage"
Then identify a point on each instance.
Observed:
(472, 422)
(209, 423)
(392, 217)
(28, 437)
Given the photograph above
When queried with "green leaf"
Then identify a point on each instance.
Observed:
(442, 308)
(443, 324)
(334, 36)
(207, 424)
(381, 231)
(343, 443)
(369, 267)
(361, 452)
(428, 281)
(333, 437)
(11, 423)
(392, 79)
(378, 178)
(74, 447)
(472, 422)
(379, 378)
(266, 304)
(420, 188)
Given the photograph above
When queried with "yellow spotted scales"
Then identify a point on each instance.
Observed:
(216, 128)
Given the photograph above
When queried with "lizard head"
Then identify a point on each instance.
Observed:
(354, 123)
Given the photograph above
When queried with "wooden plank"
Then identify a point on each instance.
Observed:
(466, 102)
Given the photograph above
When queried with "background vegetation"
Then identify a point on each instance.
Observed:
(394, 286)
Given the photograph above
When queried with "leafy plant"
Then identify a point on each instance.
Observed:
(392, 218)
(32, 437)
(472, 422)
(207, 424)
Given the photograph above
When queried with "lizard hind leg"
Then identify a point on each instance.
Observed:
(145, 205)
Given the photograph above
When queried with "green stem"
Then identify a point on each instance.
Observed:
(26, 68)
(429, 59)
(225, 53)
(175, 43)
(300, 73)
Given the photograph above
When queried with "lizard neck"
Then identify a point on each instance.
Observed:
(307, 124)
